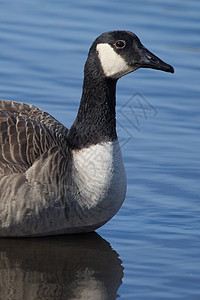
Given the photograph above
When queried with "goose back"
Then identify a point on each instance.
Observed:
(33, 163)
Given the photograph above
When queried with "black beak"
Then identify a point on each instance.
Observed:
(149, 60)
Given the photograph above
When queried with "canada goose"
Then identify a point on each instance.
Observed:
(54, 180)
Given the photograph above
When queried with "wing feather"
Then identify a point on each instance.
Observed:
(26, 132)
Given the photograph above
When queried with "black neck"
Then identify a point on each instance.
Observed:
(96, 118)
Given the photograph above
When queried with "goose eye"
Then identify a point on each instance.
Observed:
(120, 44)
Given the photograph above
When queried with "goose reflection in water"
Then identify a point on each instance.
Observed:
(73, 267)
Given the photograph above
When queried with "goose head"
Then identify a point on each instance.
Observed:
(120, 52)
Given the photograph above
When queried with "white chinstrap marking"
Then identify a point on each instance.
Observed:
(100, 176)
(112, 63)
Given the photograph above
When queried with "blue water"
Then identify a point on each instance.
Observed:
(150, 249)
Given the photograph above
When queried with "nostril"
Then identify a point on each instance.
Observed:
(149, 57)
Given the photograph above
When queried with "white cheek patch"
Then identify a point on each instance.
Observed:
(112, 63)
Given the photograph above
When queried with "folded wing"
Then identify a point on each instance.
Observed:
(26, 133)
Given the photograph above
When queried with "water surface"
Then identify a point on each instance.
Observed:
(156, 235)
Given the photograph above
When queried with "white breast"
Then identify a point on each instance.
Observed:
(100, 176)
